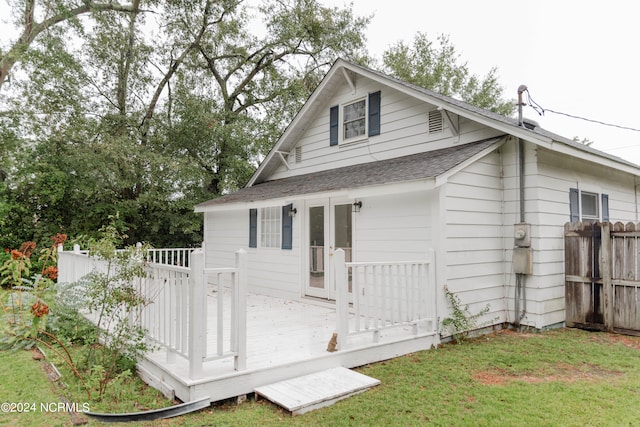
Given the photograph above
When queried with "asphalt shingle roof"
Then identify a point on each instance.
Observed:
(413, 167)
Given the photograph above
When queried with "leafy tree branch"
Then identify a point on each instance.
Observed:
(31, 28)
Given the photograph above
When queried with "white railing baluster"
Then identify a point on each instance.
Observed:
(241, 310)
(387, 295)
(197, 332)
(176, 317)
(220, 316)
(342, 299)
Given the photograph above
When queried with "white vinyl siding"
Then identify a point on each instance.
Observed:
(394, 227)
(271, 272)
(548, 180)
(404, 130)
(473, 227)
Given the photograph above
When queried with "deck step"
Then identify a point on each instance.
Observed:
(317, 390)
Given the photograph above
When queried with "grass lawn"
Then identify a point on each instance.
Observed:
(563, 377)
(24, 382)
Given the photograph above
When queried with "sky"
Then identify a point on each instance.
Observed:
(576, 57)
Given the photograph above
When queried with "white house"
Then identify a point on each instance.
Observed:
(377, 196)
(387, 171)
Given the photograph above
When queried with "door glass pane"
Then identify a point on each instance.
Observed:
(343, 229)
(342, 232)
(316, 247)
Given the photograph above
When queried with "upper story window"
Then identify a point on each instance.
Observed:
(354, 119)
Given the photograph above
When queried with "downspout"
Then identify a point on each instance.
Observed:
(520, 291)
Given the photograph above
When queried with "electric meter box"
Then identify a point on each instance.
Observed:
(523, 260)
(522, 235)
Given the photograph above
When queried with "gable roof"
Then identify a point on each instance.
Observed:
(415, 167)
(507, 125)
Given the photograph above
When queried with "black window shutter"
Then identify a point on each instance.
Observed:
(253, 228)
(574, 204)
(333, 126)
(605, 207)
(287, 229)
(374, 113)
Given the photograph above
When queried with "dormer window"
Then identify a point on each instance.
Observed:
(355, 120)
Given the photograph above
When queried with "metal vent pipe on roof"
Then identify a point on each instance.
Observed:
(521, 90)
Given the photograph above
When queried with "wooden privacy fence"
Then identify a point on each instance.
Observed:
(385, 295)
(177, 319)
(602, 276)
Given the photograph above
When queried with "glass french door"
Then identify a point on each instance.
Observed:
(329, 227)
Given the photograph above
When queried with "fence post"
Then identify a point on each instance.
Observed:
(606, 271)
(197, 324)
(240, 363)
(342, 297)
(62, 265)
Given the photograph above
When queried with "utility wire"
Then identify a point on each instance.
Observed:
(540, 110)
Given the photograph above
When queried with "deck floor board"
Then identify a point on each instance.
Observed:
(285, 339)
(278, 331)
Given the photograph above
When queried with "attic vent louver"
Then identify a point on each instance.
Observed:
(436, 124)
(298, 154)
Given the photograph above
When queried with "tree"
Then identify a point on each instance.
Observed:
(437, 66)
(53, 14)
(157, 109)
(245, 78)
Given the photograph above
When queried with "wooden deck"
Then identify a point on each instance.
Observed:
(285, 339)
(225, 347)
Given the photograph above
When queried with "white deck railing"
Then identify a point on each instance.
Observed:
(172, 256)
(177, 318)
(384, 295)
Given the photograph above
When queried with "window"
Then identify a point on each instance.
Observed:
(587, 206)
(354, 123)
(355, 120)
(270, 226)
(274, 226)
(589, 202)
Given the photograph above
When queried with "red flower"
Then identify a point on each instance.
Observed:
(51, 272)
(39, 309)
(59, 239)
(27, 249)
(16, 254)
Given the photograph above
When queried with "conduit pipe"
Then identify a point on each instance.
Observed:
(520, 291)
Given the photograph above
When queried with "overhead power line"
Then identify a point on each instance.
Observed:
(541, 110)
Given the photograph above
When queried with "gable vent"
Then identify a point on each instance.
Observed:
(436, 124)
(298, 154)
